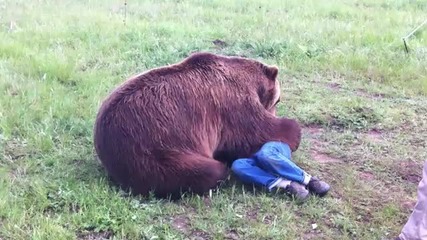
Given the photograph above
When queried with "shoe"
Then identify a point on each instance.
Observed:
(318, 187)
(295, 189)
(298, 191)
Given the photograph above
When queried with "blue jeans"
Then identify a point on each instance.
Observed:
(269, 165)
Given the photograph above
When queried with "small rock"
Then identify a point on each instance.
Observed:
(314, 226)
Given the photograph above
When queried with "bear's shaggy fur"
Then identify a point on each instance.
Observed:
(175, 128)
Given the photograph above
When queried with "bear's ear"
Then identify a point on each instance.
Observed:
(271, 72)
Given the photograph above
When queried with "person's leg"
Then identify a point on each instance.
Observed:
(248, 172)
(275, 157)
(416, 226)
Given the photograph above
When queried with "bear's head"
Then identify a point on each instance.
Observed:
(262, 79)
(269, 89)
(257, 77)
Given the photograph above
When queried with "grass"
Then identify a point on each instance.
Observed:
(344, 74)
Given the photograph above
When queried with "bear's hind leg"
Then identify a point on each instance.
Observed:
(190, 173)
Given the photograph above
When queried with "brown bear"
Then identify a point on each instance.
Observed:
(175, 128)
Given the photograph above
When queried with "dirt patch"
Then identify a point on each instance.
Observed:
(334, 86)
(316, 151)
(15, 149)
(252, 214)
(317, 145)
(368, 176)
(410, 171)
(374, 135)
(219, 43)
(199, 235)
(313, 130)
(181, 223)
(268, 219)
(364, 213)
(232, 234)
(408, 205)
(95, 235)
(323, 158)
(313, 234)
(364, 93)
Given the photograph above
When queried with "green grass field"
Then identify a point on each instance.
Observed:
(345, 76)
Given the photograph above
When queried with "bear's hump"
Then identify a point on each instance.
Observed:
(202, 58)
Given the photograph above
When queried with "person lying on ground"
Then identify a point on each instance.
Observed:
(272, 167)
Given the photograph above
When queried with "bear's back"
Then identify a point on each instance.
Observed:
(175, 106)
